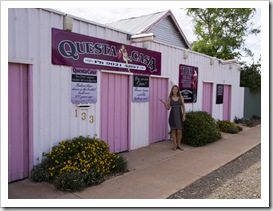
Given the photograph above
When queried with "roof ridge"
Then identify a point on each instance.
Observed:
(165, 11)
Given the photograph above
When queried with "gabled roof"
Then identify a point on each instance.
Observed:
(143, 24)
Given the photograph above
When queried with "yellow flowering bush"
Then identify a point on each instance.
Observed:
(89, 157)
(228, 127)
(80, 154)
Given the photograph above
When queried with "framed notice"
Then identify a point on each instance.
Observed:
(140, 88)
(188, 82)
(219, 93)
(83, 85)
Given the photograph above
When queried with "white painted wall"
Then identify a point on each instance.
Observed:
(139, 125)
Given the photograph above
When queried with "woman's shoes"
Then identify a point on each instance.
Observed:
(180, 148)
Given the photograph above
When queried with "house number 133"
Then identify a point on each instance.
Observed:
(84, 116)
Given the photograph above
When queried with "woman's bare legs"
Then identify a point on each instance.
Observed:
(174, 139)
(178, 139)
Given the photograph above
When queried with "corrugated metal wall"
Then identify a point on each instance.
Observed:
(167, 32)
(217, 73)
(56, 118)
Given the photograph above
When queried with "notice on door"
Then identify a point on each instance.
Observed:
(83, 85)
(140, 89)
(219, 93)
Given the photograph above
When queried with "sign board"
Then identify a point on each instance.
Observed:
(140, 88)
(188, 82)
(72, 49)
(83, 85)
(219, 93)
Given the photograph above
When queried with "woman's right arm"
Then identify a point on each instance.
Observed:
(167, 105)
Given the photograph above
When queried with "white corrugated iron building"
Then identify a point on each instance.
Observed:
(42, 111)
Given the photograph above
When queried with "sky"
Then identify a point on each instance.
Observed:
(108, 15)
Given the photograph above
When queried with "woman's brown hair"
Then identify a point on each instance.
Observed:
(178, 93)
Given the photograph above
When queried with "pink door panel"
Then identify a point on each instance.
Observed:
(227, 102)
(207, 97)
(18, 137)
(114, 111)
(158, 115)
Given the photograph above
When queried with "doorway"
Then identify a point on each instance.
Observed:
(18, 126)
(115, 111)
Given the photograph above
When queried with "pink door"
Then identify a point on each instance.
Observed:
(207, 97)
(158, 115)
(18, 126)
(227, 102)
(114, 111)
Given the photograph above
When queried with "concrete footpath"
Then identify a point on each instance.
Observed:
(155, 171)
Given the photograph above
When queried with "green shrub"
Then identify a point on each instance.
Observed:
(120, 164)
(77, 181)
(227, 126)
(70, 181)
(94, 178)
(239, 128)
(249, 123)
(238, 120)
(39, 174)
(87, 159)
(256, 117)
(200, 129)
(232, 130)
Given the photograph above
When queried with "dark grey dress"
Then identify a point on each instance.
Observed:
(175, 118)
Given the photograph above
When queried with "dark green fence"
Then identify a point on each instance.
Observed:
(252, 104)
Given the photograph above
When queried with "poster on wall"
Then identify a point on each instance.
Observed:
(188, 82)
(73, 49)
(83, 85)
(140, 88)
(219, 93)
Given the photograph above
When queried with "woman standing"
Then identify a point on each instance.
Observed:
(177, 115)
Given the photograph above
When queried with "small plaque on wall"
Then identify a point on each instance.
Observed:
(219, 93)
(83, 85)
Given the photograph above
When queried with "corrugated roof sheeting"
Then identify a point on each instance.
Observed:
(136, 25)
(162, 24)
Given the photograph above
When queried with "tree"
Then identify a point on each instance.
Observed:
(221, 32)
(251, 77)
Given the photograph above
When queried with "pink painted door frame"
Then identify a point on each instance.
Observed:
(115, 111)
(158, 115)
(207, 97)
(227, 103)
(20, 130)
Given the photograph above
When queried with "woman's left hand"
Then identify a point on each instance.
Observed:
(184, 118)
